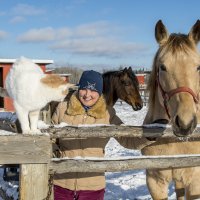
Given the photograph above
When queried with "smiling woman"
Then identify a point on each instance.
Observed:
(90, 87)
(85, 106)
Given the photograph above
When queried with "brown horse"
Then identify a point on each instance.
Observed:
(122, 85)
(174, 96)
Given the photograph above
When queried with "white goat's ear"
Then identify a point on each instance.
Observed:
(67, 87)
(72, 86)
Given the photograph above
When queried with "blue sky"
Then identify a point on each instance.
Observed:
(91, 33)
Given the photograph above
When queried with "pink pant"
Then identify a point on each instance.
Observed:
(65, 194)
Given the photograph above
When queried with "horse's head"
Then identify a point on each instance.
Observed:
(122, 85)
(128, 88)
(176, 68)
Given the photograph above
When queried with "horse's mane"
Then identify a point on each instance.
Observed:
(107, 79)
(111, 72)
(151, 86)
(176, 43)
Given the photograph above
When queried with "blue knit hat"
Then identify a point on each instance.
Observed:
(91, 80)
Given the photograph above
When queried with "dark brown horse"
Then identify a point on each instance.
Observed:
(122, 85)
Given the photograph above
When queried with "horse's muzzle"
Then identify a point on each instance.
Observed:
(181, 129)
(137, 106)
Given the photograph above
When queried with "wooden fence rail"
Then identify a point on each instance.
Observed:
(34, 154)
(20, 149)
(116, 131)
(124, 164)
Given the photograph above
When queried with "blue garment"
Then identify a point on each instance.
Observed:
(91, 80)
(86, 108)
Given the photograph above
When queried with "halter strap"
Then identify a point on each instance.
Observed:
(167, 95)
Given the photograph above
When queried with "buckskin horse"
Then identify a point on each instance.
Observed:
(174, 97)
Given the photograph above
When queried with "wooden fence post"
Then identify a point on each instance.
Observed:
(33, 181)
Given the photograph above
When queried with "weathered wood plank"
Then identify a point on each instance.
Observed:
(114, 131)
(140, 162)
(33, 181)
(19, 149)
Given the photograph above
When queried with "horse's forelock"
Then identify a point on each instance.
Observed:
(179, 43)
(133, 78)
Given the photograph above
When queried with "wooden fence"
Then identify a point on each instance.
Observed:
(34, 154)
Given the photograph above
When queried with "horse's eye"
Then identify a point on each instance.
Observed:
(125, 83)
(198, 68)
(163, 67)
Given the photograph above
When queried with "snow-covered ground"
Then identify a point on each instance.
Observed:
(130, 185)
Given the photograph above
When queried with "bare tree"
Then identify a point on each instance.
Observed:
(75, 73)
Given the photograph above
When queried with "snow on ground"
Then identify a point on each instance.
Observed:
(129, 185)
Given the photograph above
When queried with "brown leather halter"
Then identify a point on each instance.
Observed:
(167, 95)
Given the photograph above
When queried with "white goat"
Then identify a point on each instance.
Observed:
(31, 90)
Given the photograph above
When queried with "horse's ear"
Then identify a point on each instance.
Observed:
(130, 69)
(194, 33)
(161, 33)
(125, 69)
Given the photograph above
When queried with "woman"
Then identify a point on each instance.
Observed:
(86, 106)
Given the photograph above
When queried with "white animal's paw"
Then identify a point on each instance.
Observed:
(36, 132)
(26, 132)
(33, 132)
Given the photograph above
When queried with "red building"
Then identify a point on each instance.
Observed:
(5, 65)
(141, 78)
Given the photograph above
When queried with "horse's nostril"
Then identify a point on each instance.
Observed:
(177, 121)
(185, 129)
(138, 106)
